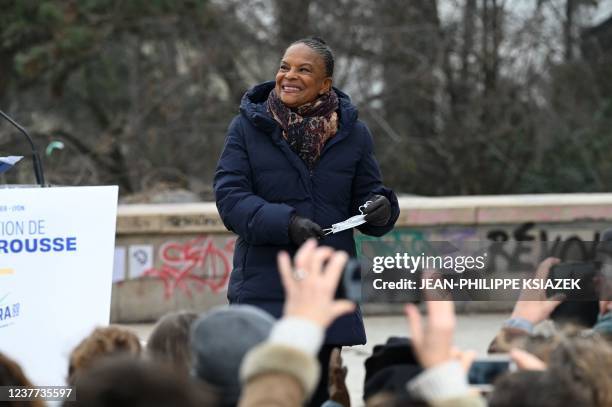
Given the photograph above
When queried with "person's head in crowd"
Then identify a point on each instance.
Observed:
(125, 381)
(578, 356)
(102, 342)
(169, 341)
(12, 375)
(587, 358)
(220, 339)
(531, 388)
(388, 370)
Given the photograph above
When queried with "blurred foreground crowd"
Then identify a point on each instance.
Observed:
(240, 356)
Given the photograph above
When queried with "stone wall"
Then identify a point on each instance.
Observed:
(179, 256)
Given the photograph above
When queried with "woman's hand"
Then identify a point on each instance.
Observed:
(311, 287)
(302, 229)
(433, 344)
(378, 212)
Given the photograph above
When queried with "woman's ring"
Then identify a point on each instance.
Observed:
(299, 274)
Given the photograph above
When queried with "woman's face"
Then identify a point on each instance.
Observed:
(301, 77)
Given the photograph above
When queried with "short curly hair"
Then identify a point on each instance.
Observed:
(102, 342)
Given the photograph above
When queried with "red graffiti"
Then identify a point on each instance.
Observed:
(197, 264)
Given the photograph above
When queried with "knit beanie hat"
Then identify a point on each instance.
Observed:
(219, 340)
(390, 367)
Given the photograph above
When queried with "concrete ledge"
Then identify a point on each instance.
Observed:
(169, 218)
(415, 211)
(479, 210)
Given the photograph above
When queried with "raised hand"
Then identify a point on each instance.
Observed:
(310, 286)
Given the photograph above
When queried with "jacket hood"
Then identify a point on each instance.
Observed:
(253, 107)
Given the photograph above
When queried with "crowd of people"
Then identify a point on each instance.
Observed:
(239, 355)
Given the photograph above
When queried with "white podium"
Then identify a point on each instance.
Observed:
(56, 265)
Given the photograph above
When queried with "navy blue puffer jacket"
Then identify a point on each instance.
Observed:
(260, 183)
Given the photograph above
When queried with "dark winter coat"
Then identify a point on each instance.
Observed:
(260, 183)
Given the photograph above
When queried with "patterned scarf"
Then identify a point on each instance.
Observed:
(308, 127)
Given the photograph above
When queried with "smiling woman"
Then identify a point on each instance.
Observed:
(303, 76)
(296, 159)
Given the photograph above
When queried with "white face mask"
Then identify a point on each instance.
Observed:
(350, 223)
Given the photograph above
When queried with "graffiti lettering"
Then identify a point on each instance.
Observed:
(515, 255)
(194, 264)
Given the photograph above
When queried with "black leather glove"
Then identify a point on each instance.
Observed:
(301, 229)
(378, 212)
